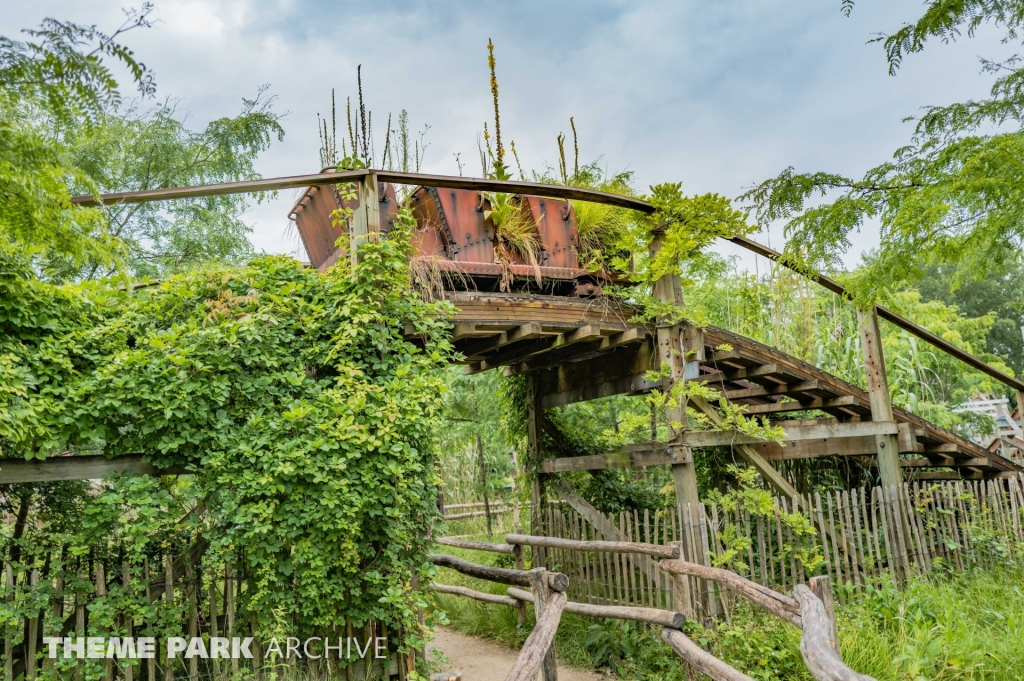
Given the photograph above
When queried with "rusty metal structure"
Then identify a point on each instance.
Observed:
(456, 236)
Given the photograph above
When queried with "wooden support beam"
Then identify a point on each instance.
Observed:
(782, 407)
(77, 468)
(520, 343)
(659, 456)
(690, 341)
(804, 441)
(627, 385)
(534, 455)
(579, 347)
(775, 372)
(878, 394)
(781, 390)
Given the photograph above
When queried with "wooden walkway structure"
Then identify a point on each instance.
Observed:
(584, 346)
(580, 349)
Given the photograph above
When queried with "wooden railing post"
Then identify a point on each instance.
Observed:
(517, 551)
(822, 588)
(878, 394)
(681, 587)
(541, 595)
(366, 219)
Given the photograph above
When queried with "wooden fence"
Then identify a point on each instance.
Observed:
(858, 534)
(160, 597)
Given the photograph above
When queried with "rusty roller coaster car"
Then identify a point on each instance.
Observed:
(455, 238)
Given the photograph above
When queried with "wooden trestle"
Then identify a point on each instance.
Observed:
(581, 349)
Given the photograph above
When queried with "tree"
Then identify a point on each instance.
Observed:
(952, 194)
(57, 80)
(999, 292)
(135, 150)
(65, 130)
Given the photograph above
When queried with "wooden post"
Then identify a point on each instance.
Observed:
(193, 615)
(537, 493)
(9, 640)
(33, 634)
(671, 352)
(681, 587)
(129, 623)
(169, 597)
(878, 392)
(151, 662)
(366, 219)
(541, 594)
(229, 606)
(483, 481)
(214, 629)
(517, 551)
(101, 592)
(822, 588)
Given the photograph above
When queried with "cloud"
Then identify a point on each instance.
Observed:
(718, 95)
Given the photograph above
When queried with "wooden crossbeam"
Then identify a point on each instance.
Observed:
(973, 462)
(845, 439)
(782, 407)
(77, 468)
(782, 390)
(579, 348)
(731, 357)
(769, 371)
(627, 385)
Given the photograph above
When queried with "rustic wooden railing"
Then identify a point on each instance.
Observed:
(811, 609)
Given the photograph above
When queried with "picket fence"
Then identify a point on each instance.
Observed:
(911, 529)
(161, 597)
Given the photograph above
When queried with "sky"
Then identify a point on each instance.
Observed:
(716, 95)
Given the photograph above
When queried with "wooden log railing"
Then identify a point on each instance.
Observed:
(556, 580)
(811, 609)
(494, 547)
(661, 618)
(538, 644)
(773, 602)
(596, 546)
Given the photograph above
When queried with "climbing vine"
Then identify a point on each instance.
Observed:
(301, 412)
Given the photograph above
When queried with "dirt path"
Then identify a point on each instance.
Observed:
(481, 660)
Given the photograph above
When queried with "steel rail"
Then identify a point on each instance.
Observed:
(536, 189)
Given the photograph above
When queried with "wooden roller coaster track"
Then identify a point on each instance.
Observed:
(581, 348)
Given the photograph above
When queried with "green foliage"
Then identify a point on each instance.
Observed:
(472, 410)
(690, 225)
(949, 195)
(55, 82)
(749, 498)
(307, 420)
(1001, 293)
(132, 150)
(785, 311)
(65, 130)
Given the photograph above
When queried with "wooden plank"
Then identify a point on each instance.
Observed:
(78, 468)
(622, 362)
(627, 385)
(781, 407)
(781, 390)
(766, 371)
